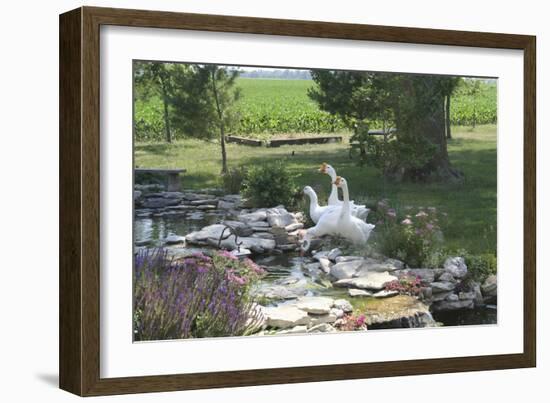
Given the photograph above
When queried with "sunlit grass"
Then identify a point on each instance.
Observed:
(471, 207)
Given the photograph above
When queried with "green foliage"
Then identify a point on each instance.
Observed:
(414, 104)
(408, 234)
(270, 185)
(232, 180)
(389, 155)
(480, 266)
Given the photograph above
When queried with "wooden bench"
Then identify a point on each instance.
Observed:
(174, 183)
(305, 140)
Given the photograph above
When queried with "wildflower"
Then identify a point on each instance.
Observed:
(406, 221)
(391, 212)
(429, 227)
(422, 214)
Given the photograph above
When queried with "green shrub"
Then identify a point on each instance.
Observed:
(232, 181)
(412, 235)
(481, 266)
(270, 185)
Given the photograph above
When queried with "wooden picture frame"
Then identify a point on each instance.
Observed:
(79, 346)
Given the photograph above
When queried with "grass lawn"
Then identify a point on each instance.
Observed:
(471, 207)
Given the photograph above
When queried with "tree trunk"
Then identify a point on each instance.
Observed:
(166, 115)
(427, 120)
(448, 116)
(221, 123)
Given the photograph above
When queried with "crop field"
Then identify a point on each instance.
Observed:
(269, 107)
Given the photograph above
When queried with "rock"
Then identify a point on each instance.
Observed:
(262, 225)
(257, 319)
(456, 266)
(345, 270)
(340, 259)
(256, 245)
(241, 252)
(440, 296)
(279, 217)
(372, 281)
(426, 292)
(322, 328)
(137, 194)
(326, 318)
(442, 286)
(210, 232)
(158, 202)
(236, 198)
(320, 254)
(281, 292)
(374, 265)
(354, 292)
(397, 312)
(172, 195)
(206, 207)
(385, 294)
(325, 265)
(452, 305)
(333, 254)
(338, 312)
(467, 295)
(447, 277)
(173, 239)
(294, 227)
(343, 304)
(295, 330)
(478, 299)
(489, 287)
(205, 201)
(452, 297)
(197, 215)
(226, 205)
(264, 235)
(315, 305)
(259, 215)
(287, 247)
(426, 275)
(285, 316)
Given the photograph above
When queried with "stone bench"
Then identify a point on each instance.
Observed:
(174, 184)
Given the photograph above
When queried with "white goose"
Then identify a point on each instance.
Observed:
(339, 221)
(315, 211)
(357, 210)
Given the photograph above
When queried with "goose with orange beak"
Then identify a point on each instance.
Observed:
(357, 210)
(339, 221)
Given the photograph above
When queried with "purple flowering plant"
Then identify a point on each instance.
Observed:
(410, 234)
(198, 296)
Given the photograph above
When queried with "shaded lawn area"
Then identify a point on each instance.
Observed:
(471, 207)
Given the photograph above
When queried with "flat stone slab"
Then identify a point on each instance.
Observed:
(442, 286)
(355, 292)
(286, 316)
(315, 305)
(346, 269)
(385, 294)
(399, 308)
(371, 281)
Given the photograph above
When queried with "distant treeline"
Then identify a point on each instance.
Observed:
(281, 74)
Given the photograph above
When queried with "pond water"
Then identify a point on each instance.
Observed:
(286, 269)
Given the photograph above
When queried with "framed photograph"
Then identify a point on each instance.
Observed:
(248, 201)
